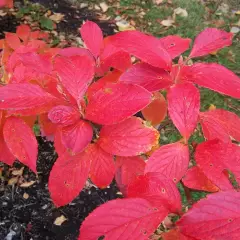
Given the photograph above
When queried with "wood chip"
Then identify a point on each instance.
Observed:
(27, 184)
(25, 196)
(60, 220)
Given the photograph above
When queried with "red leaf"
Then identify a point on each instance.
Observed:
(102, 166)
(68, 177)
(128, 138)
(92, 37)
(122, 219)
(58, 143)
(147, 48)
(147, 76)
(110, 77)
(213, 157)
(127, 169)
(76, 137)
(64, 115)
(12, 40)
(214, 77)
(116, 102)
(46, 126)
(156, 111)
(196, 179)
(220, 124)
(26, 96)
(5, 155)
(171, 160)
(157, 189)
(74, 51)
(21, 141)
(175, 45)
(75, 73)
(23, 32)
(183, 107)
(174, 234)
(216, 217)
(210, 40)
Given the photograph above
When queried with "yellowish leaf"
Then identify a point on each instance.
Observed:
(27, 184)
(60, 220)
(57, 17)
(18, 172)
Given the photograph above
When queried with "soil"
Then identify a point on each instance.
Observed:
(33, 218)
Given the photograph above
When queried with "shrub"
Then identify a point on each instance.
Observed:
(86, 98)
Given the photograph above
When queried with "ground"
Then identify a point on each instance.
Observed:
(28, 213)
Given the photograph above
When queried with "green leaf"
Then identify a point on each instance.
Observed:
(46, 23)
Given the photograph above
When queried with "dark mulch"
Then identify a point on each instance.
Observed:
(33, 218)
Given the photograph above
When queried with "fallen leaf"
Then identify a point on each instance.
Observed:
(2, 13)
(60, 220)
(25, 196)
(237, 12)
(158, 2)
(123, 25)
(18, 172)
(180, 12)
(13, 181)
(27, 184)
(57, 17)
(103, 6)
(167, 22)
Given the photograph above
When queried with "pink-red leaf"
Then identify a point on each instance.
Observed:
(183, 107)
(68, 177)
(73, 51)
(116, 102)
(21, 141)
(220, 124)
(147, 48)
(102, 166)
(216, 217)
(23, 32)
(214, 156)
(213, 76)
(175, 234)
(171, 160)
(175, 45)
(210, 40)
(64, 115)
(47, 128)
(196, 179)
(122, 219)
(77, 136)
(156, 111)
(12, 40)
(147, 76)
(131, 137)
(157, 189)
(92, 37)
(75, 73)
(5, 155)
(127, 169)
(26, 96)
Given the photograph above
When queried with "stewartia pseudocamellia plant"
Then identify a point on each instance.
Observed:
(85, 100)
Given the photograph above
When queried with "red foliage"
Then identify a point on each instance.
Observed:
(96, 135)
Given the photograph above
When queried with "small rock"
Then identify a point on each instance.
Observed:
(235, 30)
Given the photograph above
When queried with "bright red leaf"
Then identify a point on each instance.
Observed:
(64, 115)
(175, 45)
(26, 96)
(75, 73)
(210, 40)
(58, 143)
(131, 137)
(156, 111)
(183, 107)
(216, 217)
(73, 51)
(68, 177)
(213, 76)
(147, 76)
(147, 48)
(122, 219)
(220, 124)
(127, 169)
(5, 155)
(175, 234)
(102, 166)
(214, 156)
(47, 128)
(116, 102)
(157, 189)
(23, 32)
(92, 37)
(77, 136)
(171, 160)
(196, 179)
(12, 40)
(21, 141)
